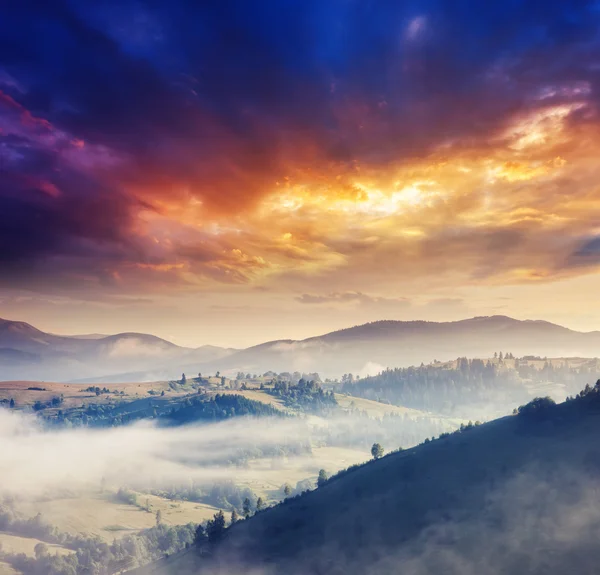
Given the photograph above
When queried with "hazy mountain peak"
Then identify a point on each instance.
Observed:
(17, 326)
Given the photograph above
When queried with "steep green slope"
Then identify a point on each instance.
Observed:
(517, 495)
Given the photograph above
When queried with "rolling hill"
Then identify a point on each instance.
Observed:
(28, 353)
(369, 348)
(514, 496)
(365, 349)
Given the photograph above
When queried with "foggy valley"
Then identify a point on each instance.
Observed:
(121, 476)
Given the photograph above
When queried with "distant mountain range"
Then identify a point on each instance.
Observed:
(28, 353)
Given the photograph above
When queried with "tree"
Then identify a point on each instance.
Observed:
(40, 550)
(234, 517)
(322, 479)
(538, 408)
(287, 489)
(377, 450)
(260, 504)
(200, 536)
(246, 508)
(12, 403)
(215, 528)
(183, 379)
(158, 517)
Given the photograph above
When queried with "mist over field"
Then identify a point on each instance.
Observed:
(37, 461)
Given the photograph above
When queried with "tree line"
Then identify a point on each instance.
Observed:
(306, 396)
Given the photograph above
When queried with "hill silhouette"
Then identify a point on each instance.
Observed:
(369, 348)
(29, 353)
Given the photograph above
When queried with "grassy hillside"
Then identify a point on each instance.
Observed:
(26, 393)
(516, 495)
(18, 544)
(99, 514)
(375, 408)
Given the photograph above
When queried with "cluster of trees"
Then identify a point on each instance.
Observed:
(241, 375)
(30, 526)
(472, 384)
(215, 529)
(218, 408)
(538, 408)
(302, 486)
(94, 556)
(441, 389)
(91, 554)
(54, 402)
(292, 377)
(588, 395)
(573, 378)
(544, 408)
(500, 357)
(100, 390)
(224, 495)
(178, 412)
(307, 396)
(125, 495)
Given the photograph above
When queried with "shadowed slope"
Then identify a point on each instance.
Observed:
(492, 499)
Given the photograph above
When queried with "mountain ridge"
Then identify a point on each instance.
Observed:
(391, 343)
(33, 354)
(361, 349)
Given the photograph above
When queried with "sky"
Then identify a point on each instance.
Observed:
(229, 172)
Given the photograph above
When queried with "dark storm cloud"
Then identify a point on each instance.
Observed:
(215, 74)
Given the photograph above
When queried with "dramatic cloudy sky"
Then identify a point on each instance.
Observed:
(230, 171)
